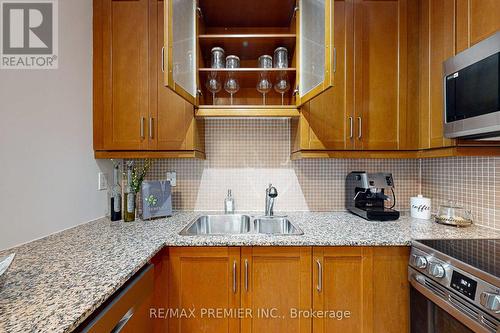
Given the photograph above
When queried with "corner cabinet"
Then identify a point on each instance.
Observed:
(368, 107)
(135, 116)
(248, 29)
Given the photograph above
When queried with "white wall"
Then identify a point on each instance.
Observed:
(48, 176)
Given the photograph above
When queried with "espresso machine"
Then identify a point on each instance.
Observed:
(365, 195)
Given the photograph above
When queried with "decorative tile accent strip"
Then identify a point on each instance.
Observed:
(245, 155)
(473, 182)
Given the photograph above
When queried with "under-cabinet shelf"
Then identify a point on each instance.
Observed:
(249, 47)
(249, 111)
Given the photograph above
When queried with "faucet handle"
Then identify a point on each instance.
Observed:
(272, 192)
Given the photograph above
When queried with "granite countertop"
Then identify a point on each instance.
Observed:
(56, 282)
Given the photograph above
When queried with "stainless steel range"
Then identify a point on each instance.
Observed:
(455, 286)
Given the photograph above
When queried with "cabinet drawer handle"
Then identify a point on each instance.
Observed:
(142, 127)
(319, 287)
(246, 275)
(351, 127)
(151, 128)
(234, 277)
(126, 317)
(163, 59)
(360, 128)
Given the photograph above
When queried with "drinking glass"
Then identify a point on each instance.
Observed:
(232, 86)
(281, 57)
(264, 85)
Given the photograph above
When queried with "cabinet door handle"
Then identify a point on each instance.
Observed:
(360, 127)
(151, 136)
(246, 275)
(163, 59)
(126, 317)
(334, 60)
(319, 286)
(351, 127)
(234, 277)
(142, 127)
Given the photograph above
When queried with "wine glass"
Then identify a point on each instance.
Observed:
(214, 86)
(264, 85)
(282, 86)
(232, 86)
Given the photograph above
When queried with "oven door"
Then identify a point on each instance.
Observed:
(427, 317)
(434, 309)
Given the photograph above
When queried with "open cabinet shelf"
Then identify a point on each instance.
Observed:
(248, 30)
(249, 47)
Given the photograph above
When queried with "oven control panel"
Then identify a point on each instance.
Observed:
(463, 284)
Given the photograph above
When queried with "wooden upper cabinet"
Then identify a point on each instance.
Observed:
(175, 127)
(367, 107)
(380, 44)
(326, 120)
(248, 30)
(316, 48)
(437, 43)
(121, 74)
(180, 48)
(204, 279)
(274, 281)
(475, 21)
(134, 113)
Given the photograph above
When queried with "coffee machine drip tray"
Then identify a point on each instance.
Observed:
(376, 213)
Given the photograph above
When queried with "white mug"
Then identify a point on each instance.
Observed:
(420, 207)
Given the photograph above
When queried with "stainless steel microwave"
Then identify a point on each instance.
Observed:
(472, 92)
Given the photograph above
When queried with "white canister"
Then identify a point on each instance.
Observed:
(420, 207)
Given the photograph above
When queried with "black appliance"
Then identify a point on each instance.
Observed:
(365, 195)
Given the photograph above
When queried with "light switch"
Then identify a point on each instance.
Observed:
(172, 177)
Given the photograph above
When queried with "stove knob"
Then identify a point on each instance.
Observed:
(437, 270)
(420, 262)
(490, 301)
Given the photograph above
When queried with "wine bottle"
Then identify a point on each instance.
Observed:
(116, 197)
(129, 198)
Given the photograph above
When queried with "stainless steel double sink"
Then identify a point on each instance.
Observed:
(240, 225)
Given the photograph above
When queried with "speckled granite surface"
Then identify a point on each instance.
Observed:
(58, 281)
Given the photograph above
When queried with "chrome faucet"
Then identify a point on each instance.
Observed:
(271, 194)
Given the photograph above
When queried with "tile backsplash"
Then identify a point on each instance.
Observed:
(245, 155)
(473, 182)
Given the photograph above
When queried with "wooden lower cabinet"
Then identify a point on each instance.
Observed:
(203, 279)
(288, 289)
(361, 289)
(275, 282)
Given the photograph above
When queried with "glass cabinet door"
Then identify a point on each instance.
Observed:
(316, 49)
(179, 54)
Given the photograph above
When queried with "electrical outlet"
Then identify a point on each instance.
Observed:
(172, 177)
(102, 183)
